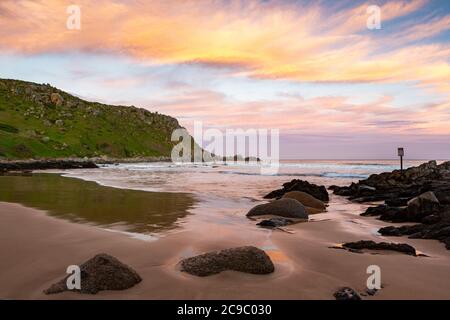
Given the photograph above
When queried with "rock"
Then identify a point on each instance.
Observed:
(318, 192)
(56, 99)
(242, 259)
(387, 213)
(102, 272)
(399, 231)
(397, 202)
(59, 123)
(438, 231)
(443, 196)
(288, 208)
(371, 292)
(306, 199)
(310, 210)
(45, 139)
(375, 211)
(275, 222)
(431, 219)
(21, 165)
(346, 293)
(371, 245)
(423, 205)
(363, 187)
(447, 243)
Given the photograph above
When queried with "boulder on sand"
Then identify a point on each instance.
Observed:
(102, 272)
(318, 192)
(288, 208)
(306, 199)
(243, 259)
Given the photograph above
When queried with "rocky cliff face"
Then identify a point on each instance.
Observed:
(40, 121)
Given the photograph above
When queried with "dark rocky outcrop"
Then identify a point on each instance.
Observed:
(244, 259)
(438, 231)
(425, 208)
(397, 187)
(418, 194)
(386, 213)
(372, 245)
(24, 165)
(102, 272)
(346, 293)
(318, 192)
(275, 222)
(288, 208)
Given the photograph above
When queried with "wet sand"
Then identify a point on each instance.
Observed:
(36, 249)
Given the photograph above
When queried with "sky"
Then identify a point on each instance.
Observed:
(335, 88)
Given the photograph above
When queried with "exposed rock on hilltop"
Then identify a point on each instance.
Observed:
(40, 121)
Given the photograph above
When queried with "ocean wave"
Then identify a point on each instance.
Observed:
(321, 175)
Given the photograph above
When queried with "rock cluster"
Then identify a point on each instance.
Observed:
(419, 194)
(424, 208)
(318, 192)
(292, 203)
(397, 187)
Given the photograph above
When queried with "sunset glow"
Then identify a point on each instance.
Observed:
(310, 68)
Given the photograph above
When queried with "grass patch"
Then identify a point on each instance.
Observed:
(8, 128)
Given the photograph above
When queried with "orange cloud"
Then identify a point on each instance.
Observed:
(266, 40)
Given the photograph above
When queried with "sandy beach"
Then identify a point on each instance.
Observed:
(36, 250)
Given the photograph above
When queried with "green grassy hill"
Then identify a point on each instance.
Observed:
(40, 121)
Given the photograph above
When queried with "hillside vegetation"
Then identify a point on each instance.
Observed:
(39, 121)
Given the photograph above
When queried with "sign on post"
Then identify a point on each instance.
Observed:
(401, 153)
